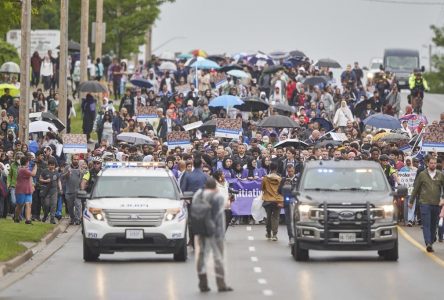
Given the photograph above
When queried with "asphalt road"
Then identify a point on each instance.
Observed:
(257, 269)
(433, 105)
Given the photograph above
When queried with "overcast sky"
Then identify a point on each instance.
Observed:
(346, 30)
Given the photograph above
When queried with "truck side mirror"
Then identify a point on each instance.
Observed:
(422, 69)
(187, 196)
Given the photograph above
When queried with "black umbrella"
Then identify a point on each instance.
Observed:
(394, 137)
(328, 63)
(92, 87)
(323, 123)
(283, 107)
(314, 80)
(208, 125)
(291, 143)
(252, 104)
(230, 67)
(216, 58)
(273, 69)
(278, 121)
(48, 117)
(297, 53)
(325, 143)
(360, 107)
(72, 46)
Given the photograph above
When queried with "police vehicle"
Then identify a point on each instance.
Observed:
(345, 205)
(135, 206)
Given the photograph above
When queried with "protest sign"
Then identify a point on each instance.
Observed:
(338, 136)
(192, 126)
(433, 139)
(407, 179)
(183, 89)
(75, 143)
(146, 114)
(178, 138)
(228, 128)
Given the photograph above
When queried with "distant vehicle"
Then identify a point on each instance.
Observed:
(345, 206)
(374, 67)
(401, 62)
(135, 206)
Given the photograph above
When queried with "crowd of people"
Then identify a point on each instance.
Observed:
(182, 95)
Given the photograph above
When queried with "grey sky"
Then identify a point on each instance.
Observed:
(346, 30)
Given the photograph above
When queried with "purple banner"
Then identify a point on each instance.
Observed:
(248, 190)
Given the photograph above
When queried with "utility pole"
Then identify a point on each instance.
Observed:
(148, 44)
(84, 29)
(25, 63)
(63, 61)
(99, 29)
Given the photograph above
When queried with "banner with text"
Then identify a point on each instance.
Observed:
(433, 138)
(407, 179)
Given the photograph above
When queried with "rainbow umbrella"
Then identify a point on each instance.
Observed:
(199, 52)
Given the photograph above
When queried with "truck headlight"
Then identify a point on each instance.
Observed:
(370, 75)
(171, 213)
(388, 211)
(304, 212)
(97, 213)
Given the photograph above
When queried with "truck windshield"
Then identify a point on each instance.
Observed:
(407, 63)
(134, 187)
(341, 179)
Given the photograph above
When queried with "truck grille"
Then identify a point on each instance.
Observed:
(134, 218)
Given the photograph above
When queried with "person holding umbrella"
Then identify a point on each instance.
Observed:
(89, 115)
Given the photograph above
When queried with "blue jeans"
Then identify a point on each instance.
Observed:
(429, 218)
(59, 206)
(288, 209)
(409, 213)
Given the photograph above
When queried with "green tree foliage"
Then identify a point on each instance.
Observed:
(126, 21)
(8, 53)
(436, 79)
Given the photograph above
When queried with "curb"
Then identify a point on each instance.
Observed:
(17, 261)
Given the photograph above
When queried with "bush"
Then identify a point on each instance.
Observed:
(435, 81)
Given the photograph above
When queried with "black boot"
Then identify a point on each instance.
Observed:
(203, 283)
(222, 286)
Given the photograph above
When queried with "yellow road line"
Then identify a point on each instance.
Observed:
(412, 241)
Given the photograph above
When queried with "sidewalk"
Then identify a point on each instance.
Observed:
(416, 234)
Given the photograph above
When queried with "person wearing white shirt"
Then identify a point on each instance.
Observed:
(405, 128)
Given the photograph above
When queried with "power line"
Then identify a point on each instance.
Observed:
(430, 3)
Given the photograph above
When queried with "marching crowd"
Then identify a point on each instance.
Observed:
(43, 177)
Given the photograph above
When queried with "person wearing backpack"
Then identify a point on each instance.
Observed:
(208, 221)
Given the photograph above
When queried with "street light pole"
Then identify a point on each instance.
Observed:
(25, 63)
(84, 29)
(63, 61)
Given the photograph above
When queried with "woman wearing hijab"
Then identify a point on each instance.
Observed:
(227, 163)
(252, 172)
(89, 115)
(342, 115)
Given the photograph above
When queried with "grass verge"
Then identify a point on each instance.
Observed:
(11, 234)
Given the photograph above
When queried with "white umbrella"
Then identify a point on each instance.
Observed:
(41, 126)
(10, 67)
(134, 138)
(167, 66)
(238, 74)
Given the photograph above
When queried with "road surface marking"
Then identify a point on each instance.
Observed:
(251, 238)
(257, 270)
(267, 292)
(251, 249)
(262, 281)
(432, 256)
(248, 228)
(254, 259)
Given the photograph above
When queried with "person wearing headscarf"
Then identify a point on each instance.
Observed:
(342, 115)
(89, 115)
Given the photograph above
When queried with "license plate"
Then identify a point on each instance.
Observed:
(134, 234)
(401, 82)
(347, 237)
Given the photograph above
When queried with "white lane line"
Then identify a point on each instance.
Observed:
(248, 228)
(254, 259)
(257, 270)
(251, 249)
(267, 292)
(262, 281)
(251, 238)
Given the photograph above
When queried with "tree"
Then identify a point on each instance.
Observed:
(436, 79)
(8, 53)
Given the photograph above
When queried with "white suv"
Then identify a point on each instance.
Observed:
(134, 207)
